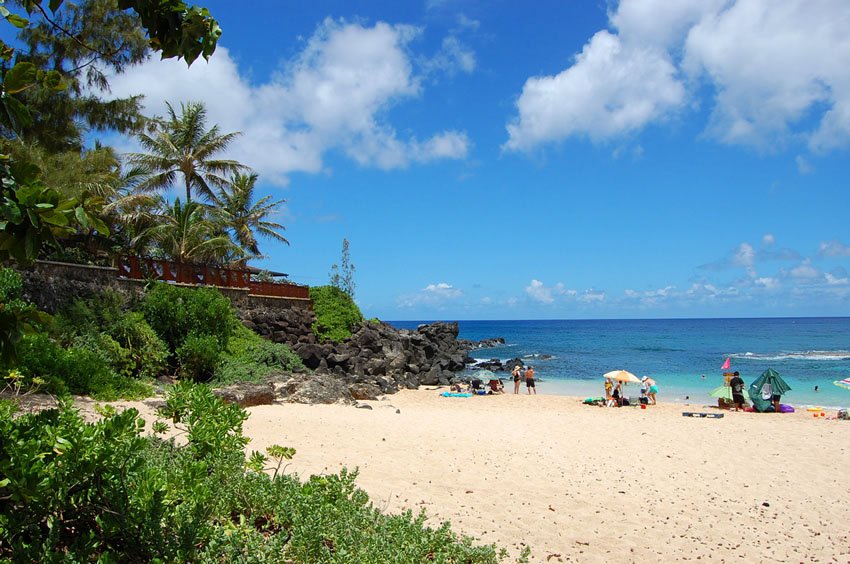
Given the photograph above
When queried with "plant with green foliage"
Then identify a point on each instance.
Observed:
(125, 339)
(250, 358)
(336, 313)
(104, 492)
(17, 317)
(80, 370)
(175, 312)
(198, 357)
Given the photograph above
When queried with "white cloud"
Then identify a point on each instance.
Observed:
(778, 71)
(803, 165)
(768, 239)
(611, 89)
(465, 22)
(767, 282)
(834, 248)
(539, 293)
(805, 271)
(452, 57)
(838, 277)
(432, 295)
(333, 95)
(590, 296)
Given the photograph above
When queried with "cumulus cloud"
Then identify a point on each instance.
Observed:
(334, 94)
(611, 89)
(431, 295)
(776, 71)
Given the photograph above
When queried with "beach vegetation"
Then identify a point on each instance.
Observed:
(251, 358)
(336, 313)
(106, 491)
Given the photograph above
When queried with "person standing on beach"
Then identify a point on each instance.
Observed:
(529, 380)
(653, 389)
(737, 384)
(516, 374)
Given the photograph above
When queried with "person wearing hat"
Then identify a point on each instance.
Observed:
(653, 388)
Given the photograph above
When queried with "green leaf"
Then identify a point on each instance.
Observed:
(17, 21)
(19, 112)
(54, 81)
(55, 4)
(82, 217)
(19, 77)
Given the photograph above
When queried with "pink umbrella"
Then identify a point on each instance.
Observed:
(728, 364)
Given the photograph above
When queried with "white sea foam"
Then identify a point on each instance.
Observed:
(801, 355)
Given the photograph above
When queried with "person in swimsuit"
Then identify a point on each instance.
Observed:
(516, 376)
(529, 380)
(653, 389)
(609, 386)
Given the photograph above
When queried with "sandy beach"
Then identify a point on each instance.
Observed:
(588, 484)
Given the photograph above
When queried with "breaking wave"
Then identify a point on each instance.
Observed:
(803, 355)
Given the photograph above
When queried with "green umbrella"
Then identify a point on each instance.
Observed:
(485, 375)
(725, 392)
(770, 382)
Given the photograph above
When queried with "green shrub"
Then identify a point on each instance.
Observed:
(198, 356)
(336, 313)
(75, 370)
(174, 312)
(249, 358)
(84, 492)
(11, 285)
(128, 343)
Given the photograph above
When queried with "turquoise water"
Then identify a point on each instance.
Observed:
(571, 356)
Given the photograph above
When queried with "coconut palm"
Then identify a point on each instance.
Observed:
(244, 219)
(183, 146)
(185, 234)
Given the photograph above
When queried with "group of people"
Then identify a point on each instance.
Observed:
(614, 393)
(518, 376)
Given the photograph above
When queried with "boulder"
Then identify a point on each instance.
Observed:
(247, 395)
(365, 391)
(315, 388)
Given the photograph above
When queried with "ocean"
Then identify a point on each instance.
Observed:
(683, 355)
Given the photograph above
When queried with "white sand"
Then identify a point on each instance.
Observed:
(588, 484)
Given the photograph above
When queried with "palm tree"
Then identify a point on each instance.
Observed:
(182, 145)
(243, 219)
(185, 234)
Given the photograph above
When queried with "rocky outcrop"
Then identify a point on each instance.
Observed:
(482, 344)
(281, 325)
(388, 359)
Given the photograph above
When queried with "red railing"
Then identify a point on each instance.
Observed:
(138, 268)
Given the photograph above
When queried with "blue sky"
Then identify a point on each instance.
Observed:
(573, 159)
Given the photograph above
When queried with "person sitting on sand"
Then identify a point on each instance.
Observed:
(615, 396)
(516, 376)
(529, 380)
(496, 386)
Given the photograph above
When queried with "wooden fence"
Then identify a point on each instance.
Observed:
(139, 268)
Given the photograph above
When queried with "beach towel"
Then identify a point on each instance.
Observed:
(455, 395)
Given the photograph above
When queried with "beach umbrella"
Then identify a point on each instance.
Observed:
(622, 376)
(725, 392)
(843, 383)
(769, 384)
(485, 375)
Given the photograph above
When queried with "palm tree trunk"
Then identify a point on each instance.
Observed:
(188, 191)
